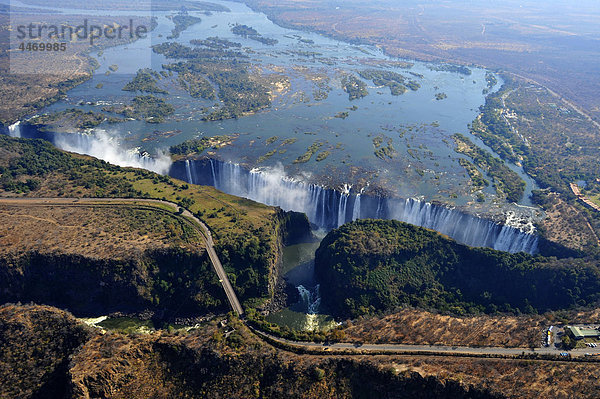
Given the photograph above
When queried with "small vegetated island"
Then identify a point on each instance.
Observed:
(477, 180)
(182, 21)
(215, 43)
(251, 33)
(71, 119)
(381, 151)
(396, 82)
(463, 70)
(507, 182)
(355, 87)
(372, 266)
(310, 151)
(147, 108)
(145, 80)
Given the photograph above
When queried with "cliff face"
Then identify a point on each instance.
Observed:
(172, 280)
(294, 227)
(106, 259)
(45, 353)
(291, 228)
(171, 367)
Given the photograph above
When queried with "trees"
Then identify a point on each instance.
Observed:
(396, 82)
(251, 33)
(145, 81)
(355, 87)
(376, 265)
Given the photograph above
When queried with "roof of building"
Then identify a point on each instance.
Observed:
(580, 332)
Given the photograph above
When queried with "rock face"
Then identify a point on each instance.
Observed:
(376, 265)
(294, 226)
(168, 368)
(207, 365)
(45, 353)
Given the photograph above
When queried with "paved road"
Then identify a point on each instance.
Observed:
(194, 221)
(423, 349)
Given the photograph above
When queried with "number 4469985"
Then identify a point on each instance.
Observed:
(42, 46)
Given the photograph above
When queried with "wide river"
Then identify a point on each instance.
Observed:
(416, 125)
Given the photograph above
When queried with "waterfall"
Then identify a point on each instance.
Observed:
(14, 130)
(356, 208)
(329, 208)
(312, 300)
(214, 178)
(102, 145)
(379, 209)
(344, 195)
(99, 144)
(188, 172)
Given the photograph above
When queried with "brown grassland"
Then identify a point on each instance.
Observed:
(25, 91)
(92, 230)
(418, 327)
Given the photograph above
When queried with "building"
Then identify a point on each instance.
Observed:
(581, 332)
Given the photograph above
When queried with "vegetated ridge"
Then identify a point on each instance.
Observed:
(371, 266)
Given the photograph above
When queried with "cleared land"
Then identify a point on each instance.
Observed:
(419, 327)
(92, 230)
(412, 326)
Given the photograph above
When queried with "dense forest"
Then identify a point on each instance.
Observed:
(371, 266)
